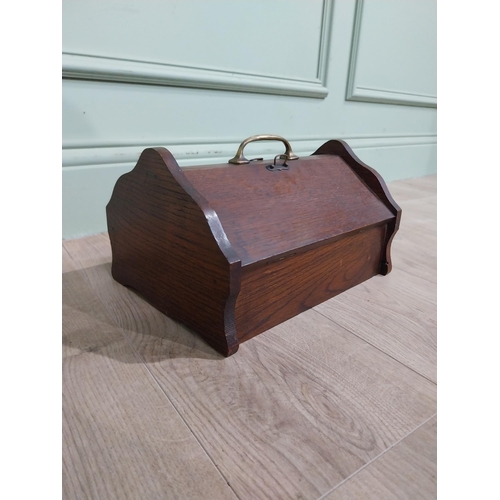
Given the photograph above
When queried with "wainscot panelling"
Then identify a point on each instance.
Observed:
(388, 72)
(253, 46)
(199, 77)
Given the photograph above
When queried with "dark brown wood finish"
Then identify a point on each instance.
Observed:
(267, 213)
(168, 244)
(189, 240)
(276, 292)
(375, 182)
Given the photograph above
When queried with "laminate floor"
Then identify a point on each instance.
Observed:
(336, 403)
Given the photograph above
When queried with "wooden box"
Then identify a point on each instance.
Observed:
(232, 250)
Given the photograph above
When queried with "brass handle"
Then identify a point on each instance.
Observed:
(239, 159)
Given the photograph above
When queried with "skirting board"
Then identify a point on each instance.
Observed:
(89, 174)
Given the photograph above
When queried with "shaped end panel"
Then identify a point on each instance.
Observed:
(376, 183)
(169, 245)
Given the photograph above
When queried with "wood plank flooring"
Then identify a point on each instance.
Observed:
(346, 410)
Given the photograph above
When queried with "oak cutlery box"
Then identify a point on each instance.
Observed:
(232, 250)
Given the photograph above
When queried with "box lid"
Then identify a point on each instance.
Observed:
(267, 213)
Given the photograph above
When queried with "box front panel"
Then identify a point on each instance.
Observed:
(277, 291)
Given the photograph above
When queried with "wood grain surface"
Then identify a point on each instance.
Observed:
(397, 318)
(400, 309)
(416, 249)
(168, 245)
(279, 290)
(375, 183)
(122, 438)
(337, 402)
(405, 472)
(183, 239)
(268, 213)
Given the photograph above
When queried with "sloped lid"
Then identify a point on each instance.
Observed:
(268, 213)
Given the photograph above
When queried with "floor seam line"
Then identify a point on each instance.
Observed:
(413, 274)
(178, 413)
(378, 348)
(375, 458)
(143, 362)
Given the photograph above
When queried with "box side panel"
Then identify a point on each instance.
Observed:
(278, 291)
(163, 247)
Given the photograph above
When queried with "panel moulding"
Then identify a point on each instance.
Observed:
(363, 93)
(197, 153)
(109, 69)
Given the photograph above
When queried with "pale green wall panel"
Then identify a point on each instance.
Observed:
(85, 194)
(132, 87)
(385, 71)
(250, 37)
(401, 162)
